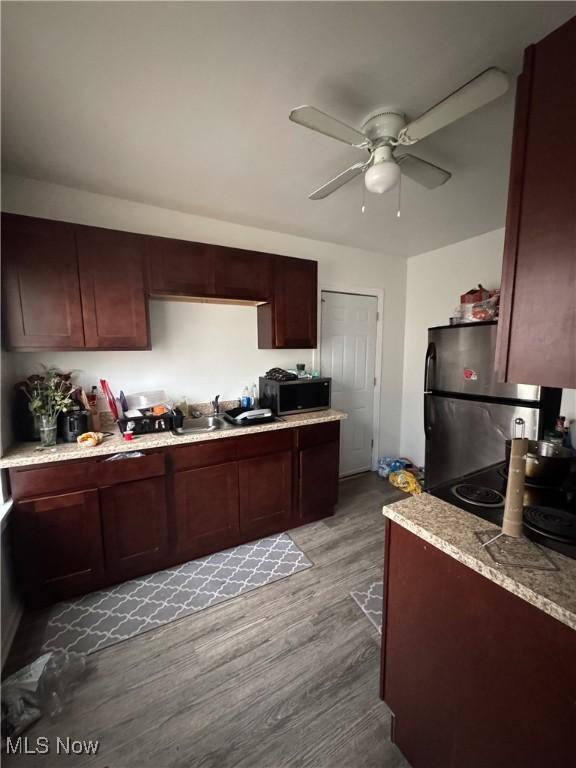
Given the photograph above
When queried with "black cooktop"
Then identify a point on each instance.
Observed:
(549, 513)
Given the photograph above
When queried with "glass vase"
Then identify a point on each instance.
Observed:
(47, 431)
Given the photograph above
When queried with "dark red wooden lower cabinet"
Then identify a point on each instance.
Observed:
(265, 494)
(58, 549)
(318, 481)
(83, 525)
(135, 527)
(475, 676)
(206, 509)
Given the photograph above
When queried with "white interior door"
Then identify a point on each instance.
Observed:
(347, 355)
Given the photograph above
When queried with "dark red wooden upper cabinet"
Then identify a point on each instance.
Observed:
(537, 328)
(242, 274)
(289, 321)
(179, 268)
(114, 302)
(42, 308)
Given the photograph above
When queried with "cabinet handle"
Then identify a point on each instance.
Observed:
(130, 455)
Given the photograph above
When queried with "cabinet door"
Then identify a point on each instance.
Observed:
(265, 494)
(318, 480)
(114, 303)
(206, 509)
(177, 267)
(242, 274)
(41, 289)
(59, 545)
(462, 658)
(537, 326)
(135, 526)
(289, 321)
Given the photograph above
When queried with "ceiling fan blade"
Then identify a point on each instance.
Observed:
(313, 118)
(423, 172)
(485, 87)
(339, 181)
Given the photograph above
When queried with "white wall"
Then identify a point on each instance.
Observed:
(202, 350)
(198, 350)
(434, 283)
(568, 407)
(8, 377)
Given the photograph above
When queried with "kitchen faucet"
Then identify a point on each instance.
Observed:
(216, 405)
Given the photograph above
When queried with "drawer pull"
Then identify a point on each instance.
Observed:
(130, 455)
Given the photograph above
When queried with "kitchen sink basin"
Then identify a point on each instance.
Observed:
(203, 424)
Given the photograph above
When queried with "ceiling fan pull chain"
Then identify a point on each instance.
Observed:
(363, 208)
(399, 202)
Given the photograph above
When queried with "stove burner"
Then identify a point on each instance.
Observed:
(478, 495)
(556, 523)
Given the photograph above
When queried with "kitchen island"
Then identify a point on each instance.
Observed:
(86, 518)
(478, 658)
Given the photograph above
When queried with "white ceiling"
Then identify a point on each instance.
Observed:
(185, 106)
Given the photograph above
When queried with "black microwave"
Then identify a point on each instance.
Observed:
(286, 397)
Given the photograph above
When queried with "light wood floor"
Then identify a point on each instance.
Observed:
(282, 677)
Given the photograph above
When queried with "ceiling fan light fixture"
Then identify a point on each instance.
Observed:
(386, 129)
(382, 177)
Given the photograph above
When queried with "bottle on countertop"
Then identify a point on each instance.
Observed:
(245, 400)
(254, 396)
(92, 398)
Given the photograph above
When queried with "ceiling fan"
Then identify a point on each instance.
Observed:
(386, 129)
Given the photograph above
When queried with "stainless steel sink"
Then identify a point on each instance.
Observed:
(203, 424)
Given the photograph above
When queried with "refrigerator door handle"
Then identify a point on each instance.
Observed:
(426, 416)
(430, 357)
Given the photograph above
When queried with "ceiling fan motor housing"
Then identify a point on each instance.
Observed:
(384, 123)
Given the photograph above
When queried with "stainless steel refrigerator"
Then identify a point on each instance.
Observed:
(468, 413)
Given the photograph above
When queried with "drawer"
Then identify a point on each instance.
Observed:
(316, 434)
(27, 483)
(130, 469)
(203, 454)
(264, 443)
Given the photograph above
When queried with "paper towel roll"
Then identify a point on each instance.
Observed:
(514, 505)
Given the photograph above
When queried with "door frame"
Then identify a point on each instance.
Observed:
(378, 293)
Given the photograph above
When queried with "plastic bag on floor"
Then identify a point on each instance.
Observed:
(405, 481)
(62, 672)
(43, 687)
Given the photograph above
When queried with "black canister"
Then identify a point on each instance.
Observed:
(72, 424)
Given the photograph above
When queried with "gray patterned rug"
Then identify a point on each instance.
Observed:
(110, 616)
(370, 600)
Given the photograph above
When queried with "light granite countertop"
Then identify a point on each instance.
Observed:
(453, 531)
(29, 454)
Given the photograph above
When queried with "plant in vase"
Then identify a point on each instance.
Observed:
(49, 395)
